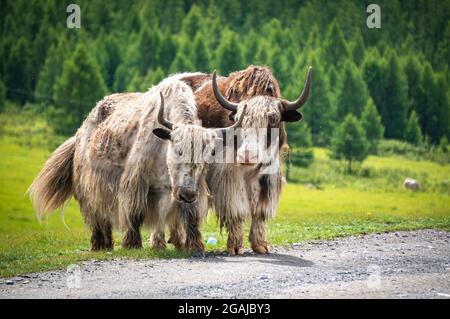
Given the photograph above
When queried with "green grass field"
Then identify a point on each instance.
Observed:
(371, 200)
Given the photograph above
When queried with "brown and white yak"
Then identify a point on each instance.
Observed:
(124, 176)
(242, 191)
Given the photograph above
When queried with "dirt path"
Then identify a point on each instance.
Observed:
(390, 265)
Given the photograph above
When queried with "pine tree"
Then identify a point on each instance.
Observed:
(136, 83)
(18, 72)
(123, 76)
(41, 43)
(319, 110)
(262, 55)
(251, 48)
(374, 71)
(413, 134)
(335, 50)
(371, 122)
(349, 142)
(212, 27)
(358, 49)
(413, 70)
(313, 41)
(200, 56)
(442, 55)
(396, 99)
(334, 79)
(79, 87)
(232, 11)
(165, 15)
(181, 64)
(148, 50)
(299, 134)
(443, 145)
(2, 95)
(168, 51)
(51, 71)
(427, 101)
(279, 66)
(192, 22)
(229, 53)
(301, 153)
(274, 32)
(442, 111)
(109, 57)
(353, 94)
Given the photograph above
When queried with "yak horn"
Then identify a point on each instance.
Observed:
(161, 119)
(292, 106)
(220, 98)
(238, 124)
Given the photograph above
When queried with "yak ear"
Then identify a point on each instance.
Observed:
(291, 116)
(162, 133)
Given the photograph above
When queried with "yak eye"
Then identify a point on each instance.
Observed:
(180, 152)
(269, 91)
(213, 152)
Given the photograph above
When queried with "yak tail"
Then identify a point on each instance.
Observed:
(53, 186)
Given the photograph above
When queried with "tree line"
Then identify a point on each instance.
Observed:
(392, 82)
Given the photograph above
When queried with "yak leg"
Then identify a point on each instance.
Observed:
(101, 238)
(257, 235)
(132, 238)
(177, 234)
(97, 239)
(158, 240)
(269, 192)
(235, 244)
(192, 219)
(107, 233)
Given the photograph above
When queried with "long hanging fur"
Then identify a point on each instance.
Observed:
(53, 186)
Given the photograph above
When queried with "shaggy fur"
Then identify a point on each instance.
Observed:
(53, 186)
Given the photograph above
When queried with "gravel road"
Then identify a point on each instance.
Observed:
(390, 265)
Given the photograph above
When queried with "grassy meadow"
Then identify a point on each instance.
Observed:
(323, 202)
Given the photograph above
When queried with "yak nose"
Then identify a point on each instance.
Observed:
(248, 157)
(187, 195)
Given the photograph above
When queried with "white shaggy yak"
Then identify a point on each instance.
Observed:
(117, 167)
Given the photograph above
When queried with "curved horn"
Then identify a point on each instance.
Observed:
(292, 106)
(220, 98)
(161, 119)
(238, 124)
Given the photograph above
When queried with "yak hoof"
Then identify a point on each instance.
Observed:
(233, 251)
(98, 248)
(102, 245)
(260, 249)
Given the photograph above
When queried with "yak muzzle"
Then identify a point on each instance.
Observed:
(186, 195)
